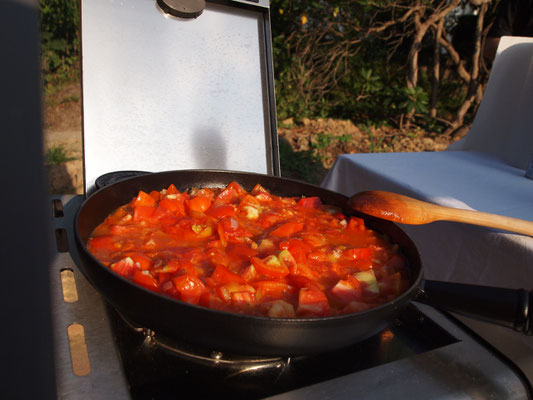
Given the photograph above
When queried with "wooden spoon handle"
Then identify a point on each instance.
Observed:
(406, 210)
(490, 220)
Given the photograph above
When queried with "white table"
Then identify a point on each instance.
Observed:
(464, 179)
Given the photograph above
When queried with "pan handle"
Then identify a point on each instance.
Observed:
(506, 307)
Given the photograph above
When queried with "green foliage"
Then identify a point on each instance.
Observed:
(323, 140)
(343, 139)
(301, 165)
(60, 39)
(432, 125)
(376, 144)
(69, 99)
(57, 155)
(370, 84)
(416, 100)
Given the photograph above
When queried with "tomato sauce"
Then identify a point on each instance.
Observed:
(250, 252)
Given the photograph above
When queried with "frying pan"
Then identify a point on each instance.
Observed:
(257, 335)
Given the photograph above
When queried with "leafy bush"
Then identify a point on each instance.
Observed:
(57, 155)
(355, 59)
(60, 39)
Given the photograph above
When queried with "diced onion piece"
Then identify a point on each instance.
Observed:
(281, 309)
(368, 280)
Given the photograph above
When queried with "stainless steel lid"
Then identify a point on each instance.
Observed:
(164, 93)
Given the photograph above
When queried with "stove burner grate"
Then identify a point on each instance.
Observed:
(203, 356)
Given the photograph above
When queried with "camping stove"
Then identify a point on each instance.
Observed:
(424, 353)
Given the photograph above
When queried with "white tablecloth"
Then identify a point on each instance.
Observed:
(464, 179)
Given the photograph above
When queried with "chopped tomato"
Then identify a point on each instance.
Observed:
(124, 230)
(270, 266)
(249, 201)
(287, 229)
(141, 261)
(257, 189)
(172, 189)
(176, 206)
(272, 290)
(356, 224)
(103, 243)
(125, 267)
(222, 275)
(312, 302)
(299, 281)
(310, 202)
(190, 288)
(167, 220)
(143, 199)
(212, 300)
(199, 203)
(146, 280)
(237, 188)
(263, 197)
(222, 235)
(357, 254)
(195, 256)
(204, 192)
(227, 196)
(269, 218)
(299, 249)
(164, 277)
(347, 290)
(221, 210)
(230, 230)
(320, 255)
(300, 269)
(240, 253)
(187, 268)
(218, 256)
(119, 217)
(169, 267)
(143, 213)
(155, 194)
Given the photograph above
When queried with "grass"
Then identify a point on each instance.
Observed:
(69, 99)
(57, 155)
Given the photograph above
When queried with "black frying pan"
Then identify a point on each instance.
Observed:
(245, 334)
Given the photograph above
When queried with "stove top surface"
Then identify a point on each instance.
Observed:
(423, 352)
(156, 370)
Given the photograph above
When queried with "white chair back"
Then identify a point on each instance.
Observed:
(503, 125)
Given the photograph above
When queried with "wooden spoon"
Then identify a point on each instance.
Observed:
(406, 210)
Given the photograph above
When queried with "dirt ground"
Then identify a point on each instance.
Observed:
(326, 138)
(62, 129)
(329, 138)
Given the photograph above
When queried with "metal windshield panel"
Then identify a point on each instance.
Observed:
(162, 93)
